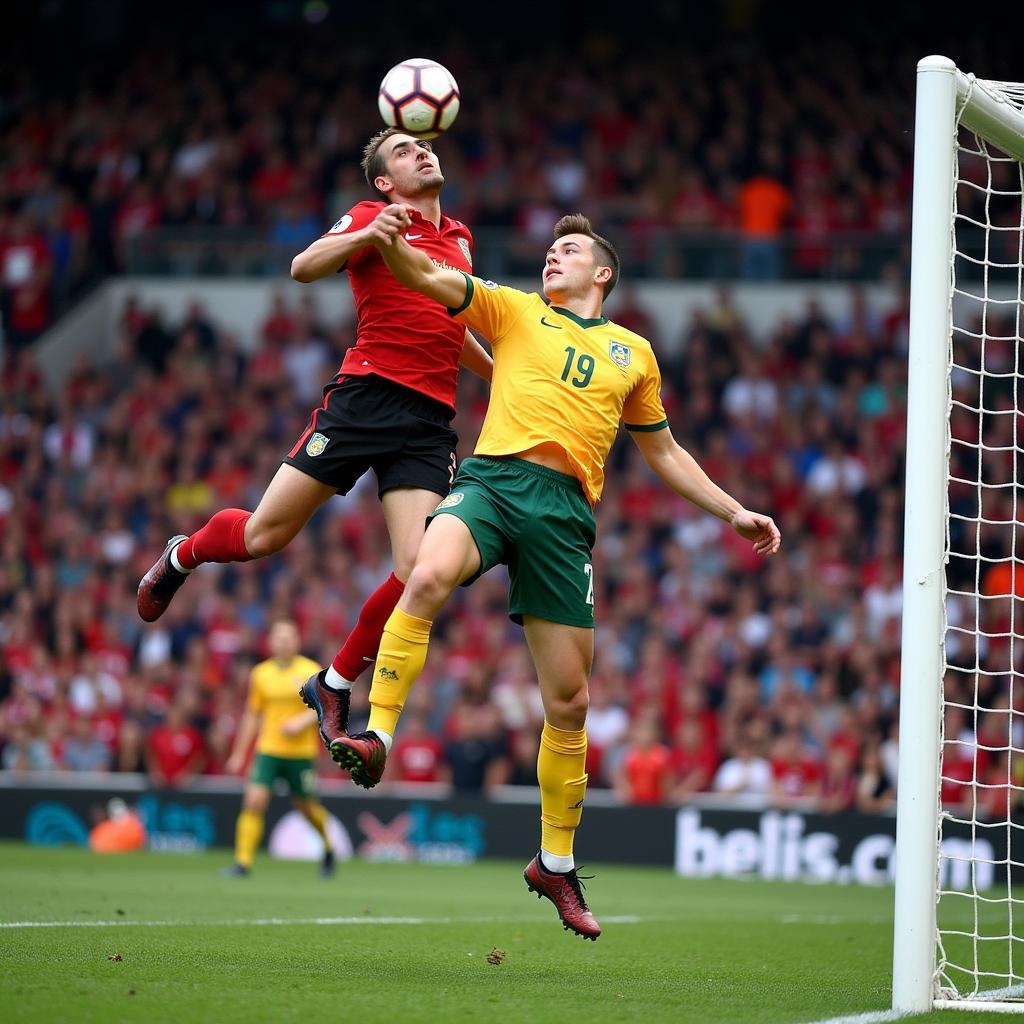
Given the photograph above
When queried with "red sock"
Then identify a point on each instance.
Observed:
(222, 539)
(360, 650)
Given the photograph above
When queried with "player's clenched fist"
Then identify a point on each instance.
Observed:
(389, 224)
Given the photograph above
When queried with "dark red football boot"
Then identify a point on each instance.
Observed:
(363, 756)
(331, 707)
(160, 584)
(566, 892)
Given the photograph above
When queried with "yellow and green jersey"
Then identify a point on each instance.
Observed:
(274, 695)
(559, 378)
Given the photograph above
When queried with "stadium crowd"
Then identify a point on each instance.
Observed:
(758, 143)
(714, 671)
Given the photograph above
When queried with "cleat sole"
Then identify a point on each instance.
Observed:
(348, 759)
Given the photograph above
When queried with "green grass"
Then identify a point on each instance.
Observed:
(701, 951)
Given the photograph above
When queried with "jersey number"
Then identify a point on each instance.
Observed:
(584, 367)
(588, 569)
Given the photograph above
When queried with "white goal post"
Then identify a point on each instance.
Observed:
(962, 672)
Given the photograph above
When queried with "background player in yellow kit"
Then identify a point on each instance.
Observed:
(564, 378)
(286, 746)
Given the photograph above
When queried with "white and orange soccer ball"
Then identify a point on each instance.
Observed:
(419, 96)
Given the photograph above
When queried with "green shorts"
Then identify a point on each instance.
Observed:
(298, 772)
(538, 523)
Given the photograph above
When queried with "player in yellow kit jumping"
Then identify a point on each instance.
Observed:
(564, 378)
(286, 746)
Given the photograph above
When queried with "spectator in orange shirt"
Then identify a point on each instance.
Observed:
(764, 205)
(645, 772)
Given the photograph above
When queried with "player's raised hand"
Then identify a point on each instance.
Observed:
(759, 529)
(389, 224)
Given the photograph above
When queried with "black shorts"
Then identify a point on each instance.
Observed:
(372, 423)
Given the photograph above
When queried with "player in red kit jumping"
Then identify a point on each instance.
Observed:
(388, 409)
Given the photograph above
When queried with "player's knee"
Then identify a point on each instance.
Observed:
(569, 709)
(263, 538)
(429, 584)
(255, 800)
(403, 563)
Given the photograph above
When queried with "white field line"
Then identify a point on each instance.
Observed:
(872, 1017)
(273, 921)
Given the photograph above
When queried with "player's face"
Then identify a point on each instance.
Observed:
(283, 641)
(570, 268)
(412, 166)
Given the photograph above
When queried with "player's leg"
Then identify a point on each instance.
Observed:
(405, 513)
(300, 774)
(235, 535)
(334, 450)
(551, 591)
(563, 656)
(249, 827)
(302, 782)
(414, 460)
(448, 556)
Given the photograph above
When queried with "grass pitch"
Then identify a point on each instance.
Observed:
(161, 937)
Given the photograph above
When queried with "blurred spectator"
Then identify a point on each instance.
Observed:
(838, 781)
(694, 760)
(746, 773)
(27, 751)
(417, 756)
(131, 747)
(875, 794)
(475, 749)
(174, 750)
(645, 770)
(764, 207)
(84, 751)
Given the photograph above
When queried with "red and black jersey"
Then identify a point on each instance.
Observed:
(401, 334)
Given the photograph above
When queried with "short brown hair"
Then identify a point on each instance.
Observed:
(372, 162)
(604, 252)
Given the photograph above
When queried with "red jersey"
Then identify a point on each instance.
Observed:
(647, 772)
(173, 749)
(418, 760)
(401, 334)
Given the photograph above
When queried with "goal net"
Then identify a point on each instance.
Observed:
(959, 937)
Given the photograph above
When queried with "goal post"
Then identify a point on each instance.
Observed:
(962, 330)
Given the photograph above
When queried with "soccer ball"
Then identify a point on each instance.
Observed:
(420, 97)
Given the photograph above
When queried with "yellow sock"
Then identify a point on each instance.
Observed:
(248, 833)
(316, 815)
(561, 772)
(403, 651)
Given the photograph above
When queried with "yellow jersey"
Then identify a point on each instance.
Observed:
(274, 696)
(559, 378)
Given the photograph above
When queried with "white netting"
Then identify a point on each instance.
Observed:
(981, 904)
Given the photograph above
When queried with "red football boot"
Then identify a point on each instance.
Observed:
(331, 707)
(160, 584)
(363, 756)
(566, 892)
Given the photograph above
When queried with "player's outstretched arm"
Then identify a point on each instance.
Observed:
(678, 468)
(415, 269)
